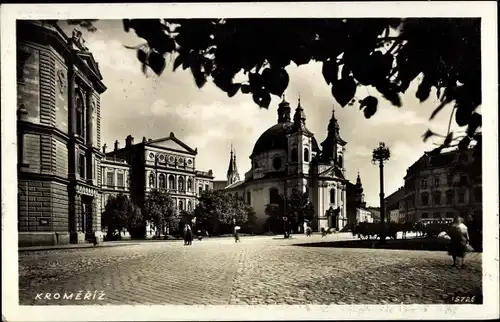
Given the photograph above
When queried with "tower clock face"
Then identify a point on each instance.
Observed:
(277, 163)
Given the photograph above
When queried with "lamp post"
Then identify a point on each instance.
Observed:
(380, 155)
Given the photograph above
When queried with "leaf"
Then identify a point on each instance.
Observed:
(233, 89)
(330, 71)
(344, 90)
(448, 139)
(275, 80)
(262, 98)
(178, 61)
(369, 104)
(475, 122)
(142, 56)
(245, 89)
(428, 134)
(390, 92)
(462, 115)
(126, 25)
(157, 62)
(424, 90)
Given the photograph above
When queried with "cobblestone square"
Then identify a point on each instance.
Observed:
(258, 270)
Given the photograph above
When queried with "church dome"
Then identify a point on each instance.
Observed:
(274, 138)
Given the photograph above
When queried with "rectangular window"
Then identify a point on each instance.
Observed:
(449, 180)
(206, 187)
(461, 197)
(94, 170)
(449, 215)
(437, 198)
(110, 179)
(200, 190)
(436, 215)
(449, 197)
(424, 197)
(424, 183)
(120, 180)
(436, 182)
(81, 166)
(425, 215)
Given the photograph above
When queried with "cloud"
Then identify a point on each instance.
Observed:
(113, 55)
(396, 116)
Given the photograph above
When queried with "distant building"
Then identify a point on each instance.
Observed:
(363, 215)
(434, 189)
(356, 211)
(59, 87)
(166, 163)
(375, 214)
(393, 206)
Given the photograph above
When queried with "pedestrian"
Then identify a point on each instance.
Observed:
(188, 235)
(308, 231)
(459, 239)
(236, 234)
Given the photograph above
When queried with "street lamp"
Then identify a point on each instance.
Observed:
(380, 155)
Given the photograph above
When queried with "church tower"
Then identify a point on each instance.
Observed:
(360, 196)
(299, 146)
(232, 171)
(333, 146)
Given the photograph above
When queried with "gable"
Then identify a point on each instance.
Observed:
(88, 59)
(332, 172)
(172, 143)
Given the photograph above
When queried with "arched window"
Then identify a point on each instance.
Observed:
(79, 106)
(190, 185)
(306, 155)
(424, 198)
(274, 196)
(171, 181)
(332, 195)
(151, 180)
(190, 206)
(295, 155)
(161, 181)
(450, 197)
(181, 183)
(341, 161)
(181, 205)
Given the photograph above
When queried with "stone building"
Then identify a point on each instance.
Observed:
(286, 157)
(393, 206)
(435, 190)
(166, 163)
(58, 126)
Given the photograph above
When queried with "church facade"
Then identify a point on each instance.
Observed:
(287, 157)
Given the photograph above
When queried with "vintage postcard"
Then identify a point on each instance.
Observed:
(241, 161)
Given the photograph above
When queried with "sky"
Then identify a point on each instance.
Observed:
(153, 106)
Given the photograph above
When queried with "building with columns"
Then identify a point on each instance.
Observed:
(286, 157)
(58, 126)
(166, 163)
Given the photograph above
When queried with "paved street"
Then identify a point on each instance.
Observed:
(259, 270)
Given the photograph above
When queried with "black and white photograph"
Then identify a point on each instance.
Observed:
(235, 157)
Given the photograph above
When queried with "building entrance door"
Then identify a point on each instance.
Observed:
(87, 217)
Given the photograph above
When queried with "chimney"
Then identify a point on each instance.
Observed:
(104, 148)
(129, 141)
(117, 145)
(144, 139)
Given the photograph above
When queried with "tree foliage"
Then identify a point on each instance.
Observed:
(444, 52)
(216, 211)
(121, 213)
(159, 208)
(299, 209)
